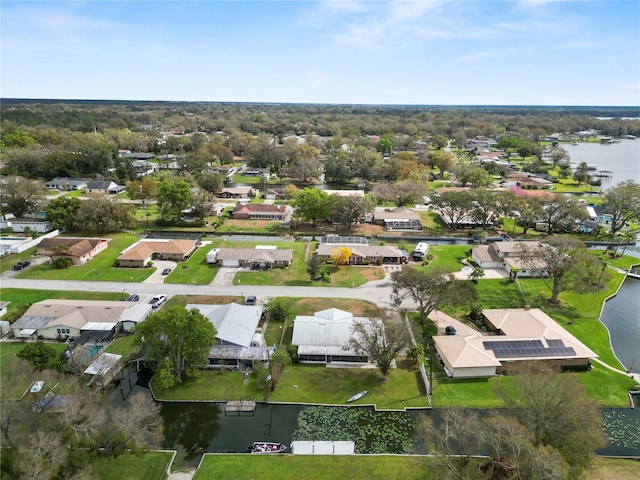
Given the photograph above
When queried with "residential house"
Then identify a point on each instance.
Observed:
(67, 183)
(239, 192)
(323, 337)
(142, 252)
(239, 339)
(521, 335)
(506, 255)
(398, 219)
(256, 172)
(366, 254)
(106, 187)
(271, 194)
(57, 319)
(259, 258)
(79, 250)
(264, 211)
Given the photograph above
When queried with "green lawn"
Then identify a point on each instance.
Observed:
(625, 262)
(123, 346)
(448, 256)
(99, 269)
(313, 467)
(146, 466)
(196, 270)
(7, 263)
(333, 386)
(214, 386)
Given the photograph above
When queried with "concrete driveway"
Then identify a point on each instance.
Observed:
(157, 277)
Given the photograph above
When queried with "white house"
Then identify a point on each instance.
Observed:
(322, 337)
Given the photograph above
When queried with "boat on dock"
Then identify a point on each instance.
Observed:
(357, 396)
(268, 447)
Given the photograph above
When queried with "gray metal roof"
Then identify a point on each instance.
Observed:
(236, 324)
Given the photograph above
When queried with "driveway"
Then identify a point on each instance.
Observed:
(489, 273)
(157, 277)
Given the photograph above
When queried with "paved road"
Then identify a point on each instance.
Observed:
(377, 292)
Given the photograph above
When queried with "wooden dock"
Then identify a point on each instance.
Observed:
(239, 407)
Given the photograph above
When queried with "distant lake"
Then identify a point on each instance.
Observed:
(623, 159)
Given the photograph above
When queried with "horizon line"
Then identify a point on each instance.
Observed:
(339, 104)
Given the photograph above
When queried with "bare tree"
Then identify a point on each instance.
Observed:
(380, 339)
(430, 289)
(564, 264)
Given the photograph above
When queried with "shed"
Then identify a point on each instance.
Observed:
(322, 447)
(4, 327)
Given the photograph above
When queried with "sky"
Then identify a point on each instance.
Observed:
(534, 52)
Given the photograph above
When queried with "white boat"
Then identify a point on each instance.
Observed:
(357, 396)
(268, 447)
(36, 387)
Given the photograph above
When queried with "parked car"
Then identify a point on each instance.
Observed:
(450, 330)
(134, 297)
(166, 271)
(21, 265)
(158, 300)
(251, 300)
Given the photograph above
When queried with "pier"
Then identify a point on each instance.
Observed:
(239, 407)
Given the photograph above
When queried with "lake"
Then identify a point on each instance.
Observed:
(623, 159)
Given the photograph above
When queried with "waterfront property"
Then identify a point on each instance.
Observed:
(262, 211)
(366, 254)
(142, 252)
(323, 336)
(239, 339)
(254, 258)
(398, 219)
(517, 336)
(506, 255)
(59, 319)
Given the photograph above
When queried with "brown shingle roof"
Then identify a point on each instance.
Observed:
(145, 248)
(77, 246)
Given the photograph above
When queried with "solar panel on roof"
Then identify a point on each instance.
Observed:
(528, 348)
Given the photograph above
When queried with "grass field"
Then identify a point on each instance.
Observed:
(146, 466)
(196, 270)
(312, 467)
(448, 256)
(333, 386)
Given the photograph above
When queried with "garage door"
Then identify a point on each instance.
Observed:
(230, 263)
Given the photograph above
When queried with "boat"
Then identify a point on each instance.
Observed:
(357, 396)
(268, 447)
(36, 387)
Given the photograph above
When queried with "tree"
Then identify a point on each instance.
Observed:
(211, 182)
(443, 160)
(39, 354)
(559, 413)
(475, 274)
(454, 207)
(307, 169)
(476, 177)
(564, 264)
(61, 212)
(581, 173)
(559, 155)
(278, 360)
(101, 215)
(177, 341)
(312, 204)
(341, 255)
(403, 193)
(560, 213)
(430, 289)
(350, 209)
(439, 141)
(142, 189)
(485, 207)
(19, 196)
(378, 338)
(278, 308)
(386, 144)
(173, 196)
(314, 265)
(622, 202)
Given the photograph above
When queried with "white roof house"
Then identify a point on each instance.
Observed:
(321, 337)
(235, 324)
